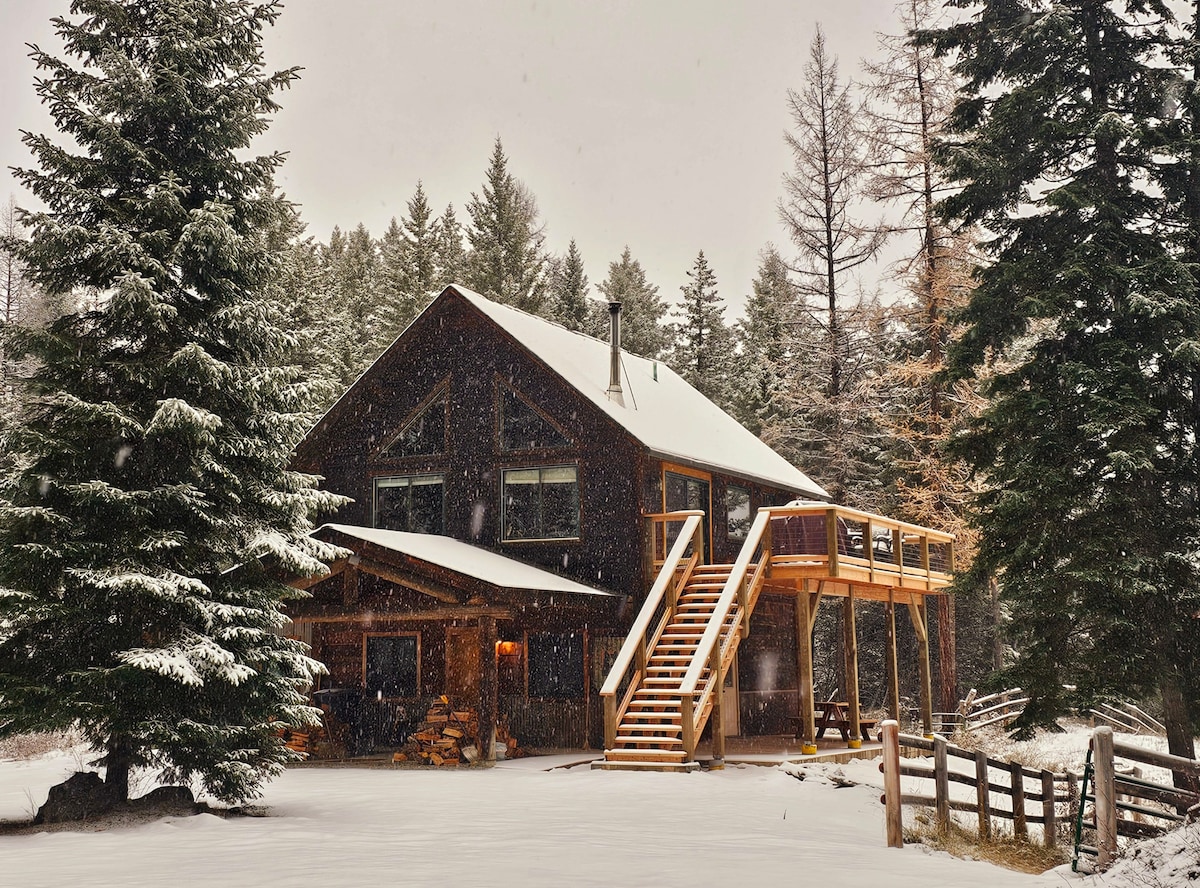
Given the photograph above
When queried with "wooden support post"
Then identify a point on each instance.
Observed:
(1049, 815)
(350, 585)
(983, 794)
(831, 540)
(807, 711)
(610, 722)
(1106, 796)
(893, 811)
(893, 662)
(1020, 826)
(941, 784)
(688, 723)
(917, 612)
(851, 641)
(718, 692)
(487, 688)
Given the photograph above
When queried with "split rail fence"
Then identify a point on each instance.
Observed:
(1125, 804)
(1048, 791)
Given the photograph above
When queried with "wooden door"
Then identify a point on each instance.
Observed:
(462, 664)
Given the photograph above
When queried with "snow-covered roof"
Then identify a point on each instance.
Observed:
(466, 559)
(664, 412)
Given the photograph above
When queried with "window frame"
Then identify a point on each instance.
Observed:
(409, 477)
(440, 392)
(504, 472)
(729, 532)
(502, 387)
(366, 639)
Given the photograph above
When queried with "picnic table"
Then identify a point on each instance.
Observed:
(834, 714)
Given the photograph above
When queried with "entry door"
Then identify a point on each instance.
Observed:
(682, 492)
(462, 664)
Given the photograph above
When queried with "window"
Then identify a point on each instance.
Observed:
(523, 428)
(425, 433)
(556, 664)
(391, 665)
(409, 502)
(541, 504)
(737, 511)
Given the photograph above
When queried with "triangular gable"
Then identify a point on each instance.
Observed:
(524, 427)
(424, 431)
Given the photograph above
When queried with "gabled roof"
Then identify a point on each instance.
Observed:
(463, 558)
(672, 419)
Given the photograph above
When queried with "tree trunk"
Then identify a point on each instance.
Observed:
(118, 762)
(1177, 718)
(947, 654)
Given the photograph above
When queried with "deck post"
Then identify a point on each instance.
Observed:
(831, 540)
(688, 723)
(917, 612)
(941, 784)
(1106, 796)
(893, 812)
(851, 642)
(807, 713)
(718, 692)
(487, 687)
(893, 660)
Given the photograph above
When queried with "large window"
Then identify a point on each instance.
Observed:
(556, 665)
(409, 502)
(523, 428)
(541, 503)
(392, 665)
(425, 433)
(737, 511)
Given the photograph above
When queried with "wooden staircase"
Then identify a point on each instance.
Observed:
(651, 732)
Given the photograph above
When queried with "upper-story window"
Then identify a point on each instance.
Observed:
(425, 433)
(414, 503)
(541, 503)
(524, 428)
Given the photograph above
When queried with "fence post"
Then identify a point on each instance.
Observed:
(1020, 827)
(1106, 796)
(893, 815)
(983, 794)
(941, 780)
(1049, 816)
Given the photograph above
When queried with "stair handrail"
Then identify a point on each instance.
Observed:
(729, 594)
(640, 630)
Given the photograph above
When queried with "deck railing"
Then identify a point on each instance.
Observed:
(674, 570)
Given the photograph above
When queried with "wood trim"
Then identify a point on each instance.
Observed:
(499, 383)
(403, 578)
(699, 475)
(429, 616)
(441, 387)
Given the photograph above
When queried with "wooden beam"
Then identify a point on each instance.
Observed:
(804, 663)
(341, 615)
(350, 586)
(893, 662)
(917, 612)
(814, 602)
(851, 643)
(487, 687)
(404, 578)
(335, 568)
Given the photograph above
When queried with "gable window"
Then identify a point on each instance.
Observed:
(391, 665)
(523, 428)
(541, 503)
(425, 433)
(409, 502)
(737, 511)
(556, 664)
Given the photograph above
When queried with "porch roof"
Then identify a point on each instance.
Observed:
(463, 558)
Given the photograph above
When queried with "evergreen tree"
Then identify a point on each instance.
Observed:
(763, 336)
(355, 283)
(409, 267)
(151, 505)
(572, 307)
(15, 298)
(642, 309)
(451, 256)
(1087, 443)
(507, 261)
(832, 436)
(703, 348)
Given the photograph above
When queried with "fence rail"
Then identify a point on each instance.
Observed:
(1049, 791)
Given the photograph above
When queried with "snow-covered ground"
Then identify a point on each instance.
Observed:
(511, 825)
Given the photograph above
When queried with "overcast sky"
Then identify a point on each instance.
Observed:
(654, 124)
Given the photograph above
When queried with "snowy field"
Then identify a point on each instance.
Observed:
(511, 825)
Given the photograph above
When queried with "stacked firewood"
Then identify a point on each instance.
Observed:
(450, 735)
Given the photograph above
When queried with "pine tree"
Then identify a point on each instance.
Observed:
(763, 336)
(572, 307)
(409, 267)
(507, 261)
(1086, 444)
(703, 348)
(354, 280)
(151, 506)
(451, 256)
(642, 309)
(833, 438)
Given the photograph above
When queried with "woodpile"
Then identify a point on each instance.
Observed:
(450, 735)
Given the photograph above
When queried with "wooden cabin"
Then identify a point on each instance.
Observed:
(518, 490)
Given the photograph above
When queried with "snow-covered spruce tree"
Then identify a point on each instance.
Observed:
(142, 533)
(451, 255)
(507, 260)
(642, 308)
(569, 292)
(703, 349)
(408, 260)
(1085, 444)
(762, 337)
